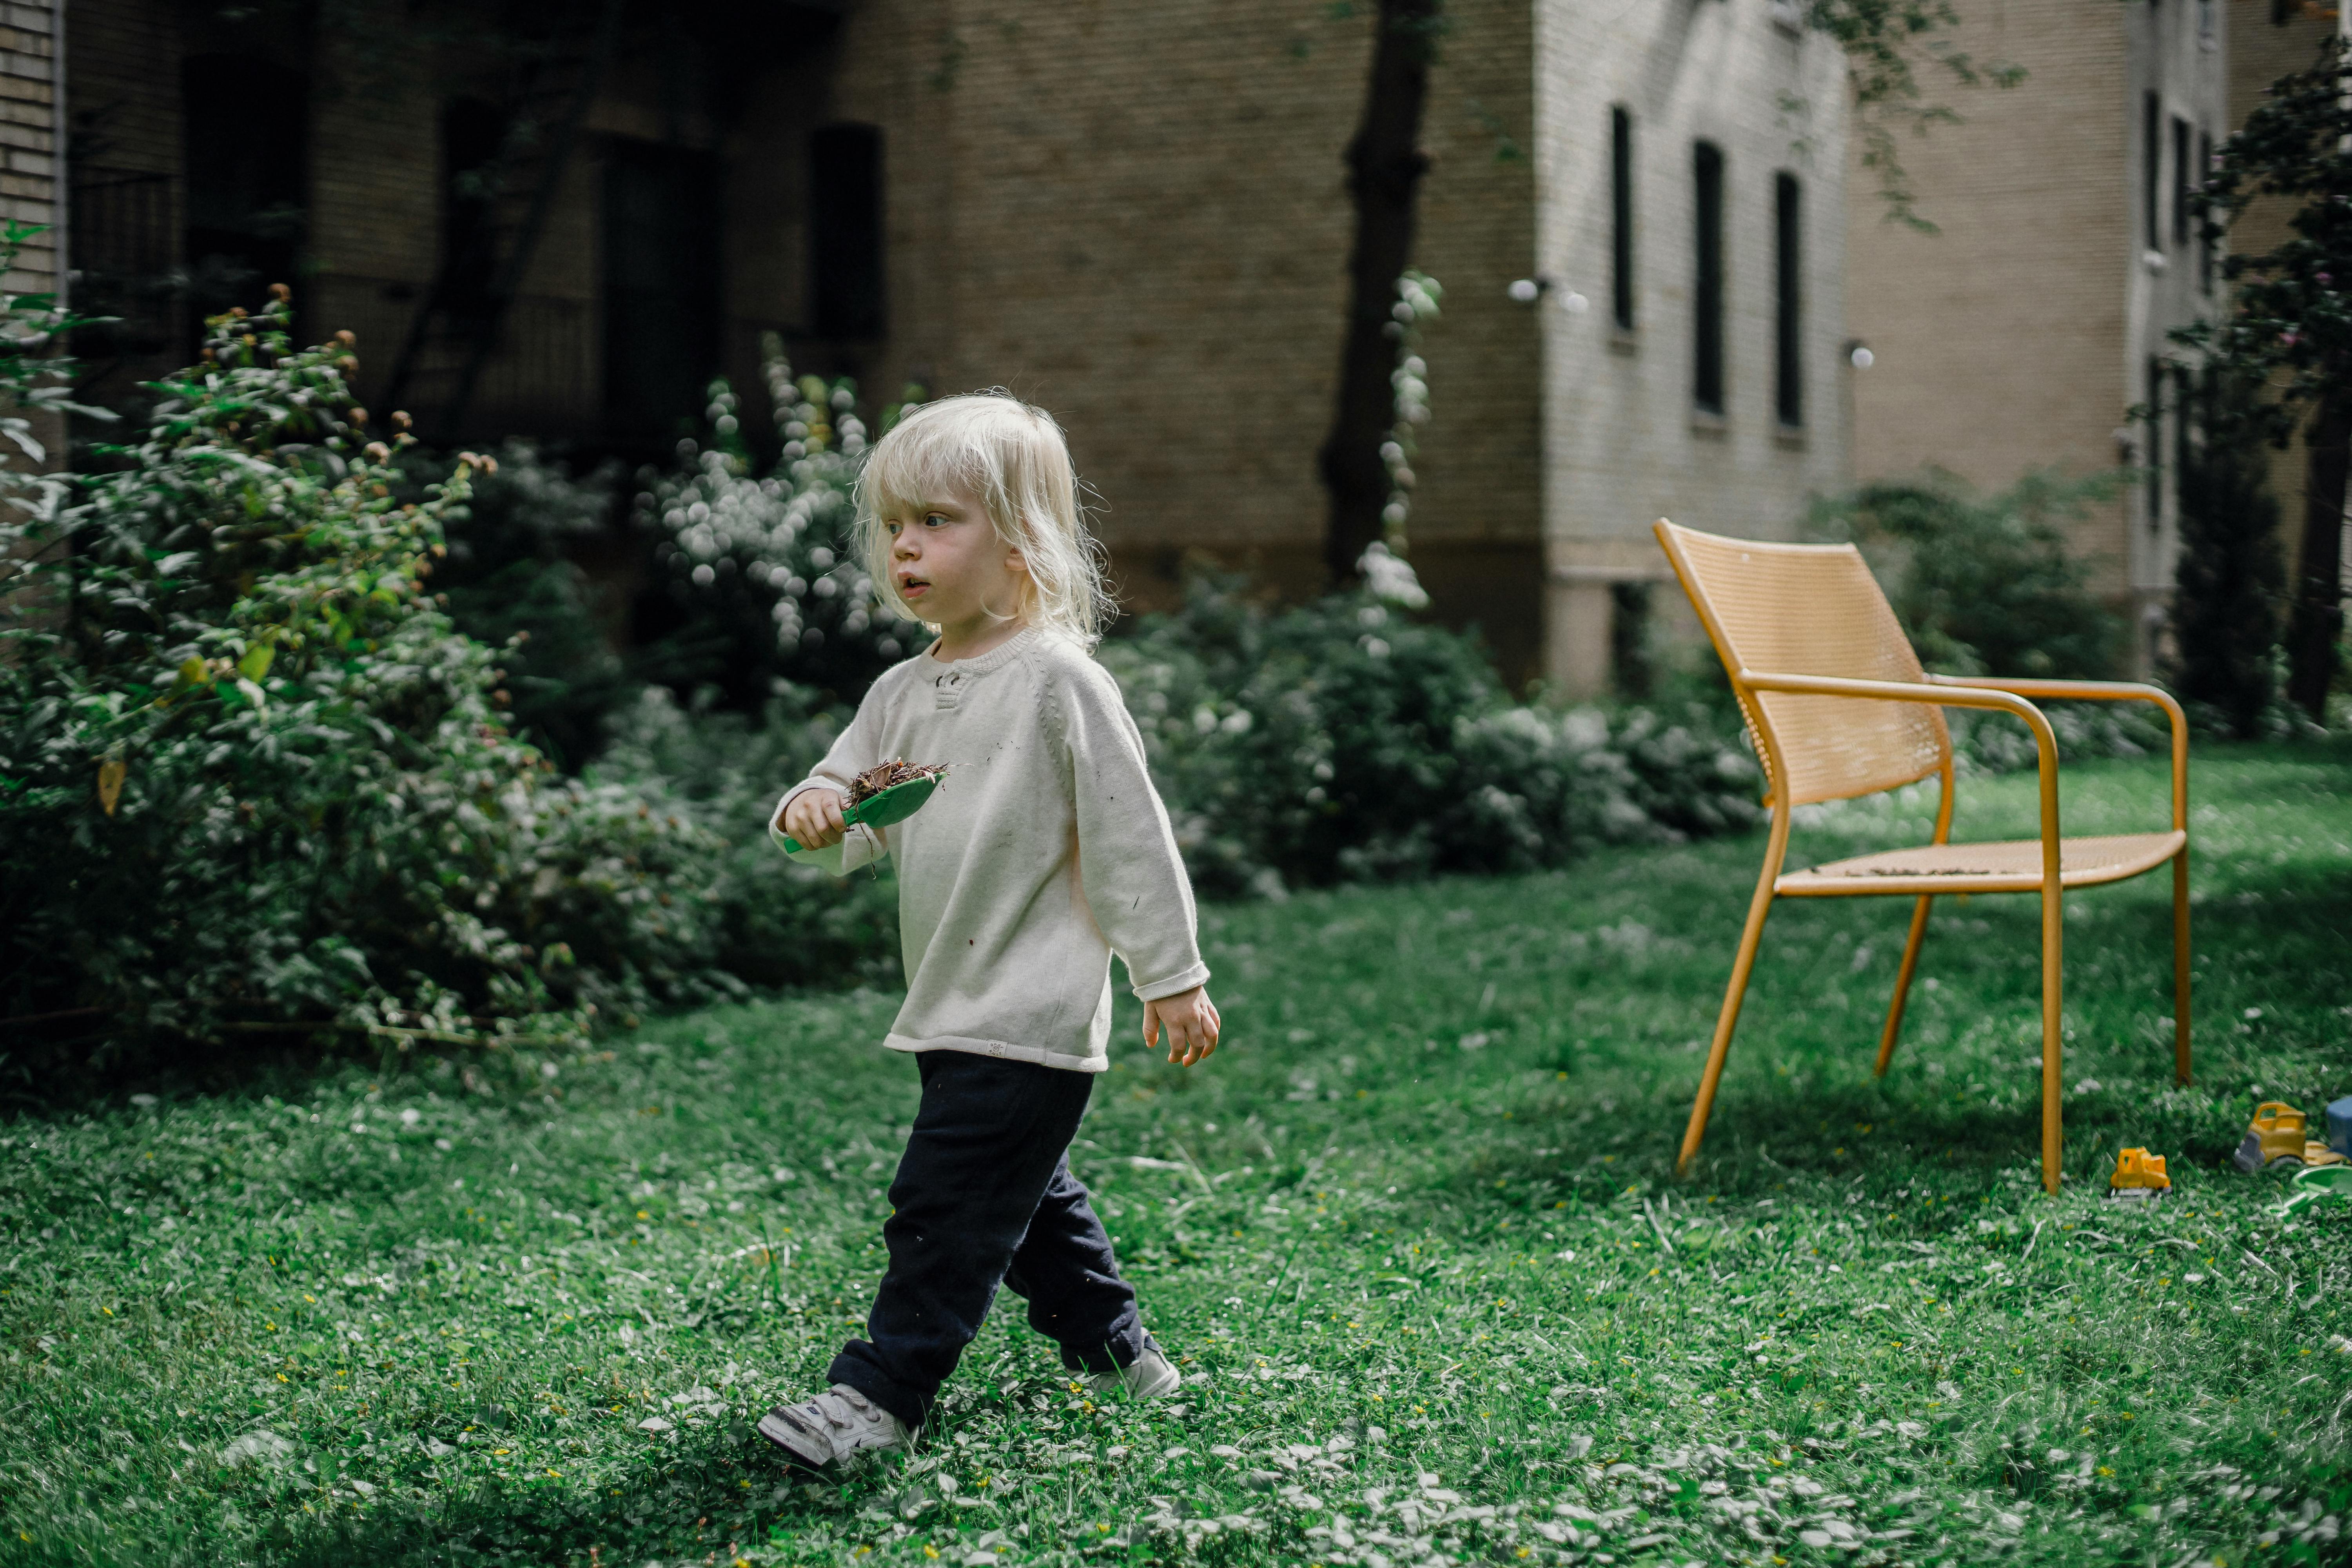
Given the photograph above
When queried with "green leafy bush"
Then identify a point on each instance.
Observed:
(1984, 585)
(252, 779)
(511, 570)
(1341, 740)
(773, 921)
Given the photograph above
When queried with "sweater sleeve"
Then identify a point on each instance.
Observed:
(852, 753)
(1134, 879)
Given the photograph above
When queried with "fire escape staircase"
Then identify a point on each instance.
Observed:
(458, 327)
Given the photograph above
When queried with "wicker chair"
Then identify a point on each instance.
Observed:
(1838, 706)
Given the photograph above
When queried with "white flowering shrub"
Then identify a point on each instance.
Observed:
(759, 568)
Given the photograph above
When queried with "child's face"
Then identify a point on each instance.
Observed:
(949, 568)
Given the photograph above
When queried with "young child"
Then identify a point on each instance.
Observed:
(1044, 851)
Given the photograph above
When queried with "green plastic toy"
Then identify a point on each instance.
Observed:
(2322, 1185)
(883, 808)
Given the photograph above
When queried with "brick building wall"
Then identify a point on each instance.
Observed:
(31, 44)
(32, 41)
(2018, 336)
(1137, 216)
(1624, 440)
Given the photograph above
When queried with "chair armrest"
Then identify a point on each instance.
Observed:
(1940, 695)
(2045, 739)
(2101, 691)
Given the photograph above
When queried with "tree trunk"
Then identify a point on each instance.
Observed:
(1385, 165)
(2317, 619)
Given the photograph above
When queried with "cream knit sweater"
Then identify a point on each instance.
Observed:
(1045, 850)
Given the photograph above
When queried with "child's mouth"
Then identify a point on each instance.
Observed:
(911, 587)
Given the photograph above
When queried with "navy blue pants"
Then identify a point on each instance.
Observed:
(984, 1194)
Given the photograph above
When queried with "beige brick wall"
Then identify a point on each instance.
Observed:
(1137, 216)
(2017, 337)
(1624, 444)
(31, 41)
(31, 183)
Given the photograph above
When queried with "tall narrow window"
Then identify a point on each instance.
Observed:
(2151, 157)
(2181, 178)
(248, 180)
(662, 280)
(1706, 293)
(2154, 456)
(2184, 453)
(1788, 299)
(473, 140)
(846, 231)
(2204, 234)
(1621, 217)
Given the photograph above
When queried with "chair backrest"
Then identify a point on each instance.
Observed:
(1811, 609)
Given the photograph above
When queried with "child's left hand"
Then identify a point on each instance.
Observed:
(1191, 1020)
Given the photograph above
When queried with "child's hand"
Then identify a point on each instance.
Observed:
(1192, 1022)
(813, 818)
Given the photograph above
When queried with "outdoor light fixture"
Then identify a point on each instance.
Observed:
(1858, 354)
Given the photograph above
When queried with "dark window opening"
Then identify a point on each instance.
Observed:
(1621, 217)
(661, 285)
(846, 295)
(1707, 369)
(2183, 433)
(2151, 153)
(1630, 656)
(2204, 213)
(247, 126)
(1789, 294)
(473, 140)
(2181, 178)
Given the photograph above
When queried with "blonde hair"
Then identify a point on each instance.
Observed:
(1012, 457)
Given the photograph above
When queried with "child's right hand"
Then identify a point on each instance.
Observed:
(813, 818)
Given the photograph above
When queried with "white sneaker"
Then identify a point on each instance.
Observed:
(1148, 1376)
(838, 1425)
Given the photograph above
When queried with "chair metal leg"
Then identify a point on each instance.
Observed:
(2181, 965)
(1903, 983)
(2053, 1060)
(1752, 936)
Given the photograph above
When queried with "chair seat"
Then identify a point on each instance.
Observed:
(2011, 867)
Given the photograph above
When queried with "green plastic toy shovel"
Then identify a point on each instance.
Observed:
(883, 808)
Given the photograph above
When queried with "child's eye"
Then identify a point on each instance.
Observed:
(935, 520)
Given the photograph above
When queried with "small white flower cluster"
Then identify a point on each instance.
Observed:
(1418, 295)
(782, 533)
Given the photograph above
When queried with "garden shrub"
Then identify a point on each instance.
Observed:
(1984, 585)
(773, 920)
(254, 781)
(510, 568)
(1341, 740)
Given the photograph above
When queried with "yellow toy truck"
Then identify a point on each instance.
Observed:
(2139, 1177)
(2277, 1137)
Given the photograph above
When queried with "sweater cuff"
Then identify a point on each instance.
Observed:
(1184, 979)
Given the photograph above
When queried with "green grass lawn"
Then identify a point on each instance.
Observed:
(1412, 1232)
